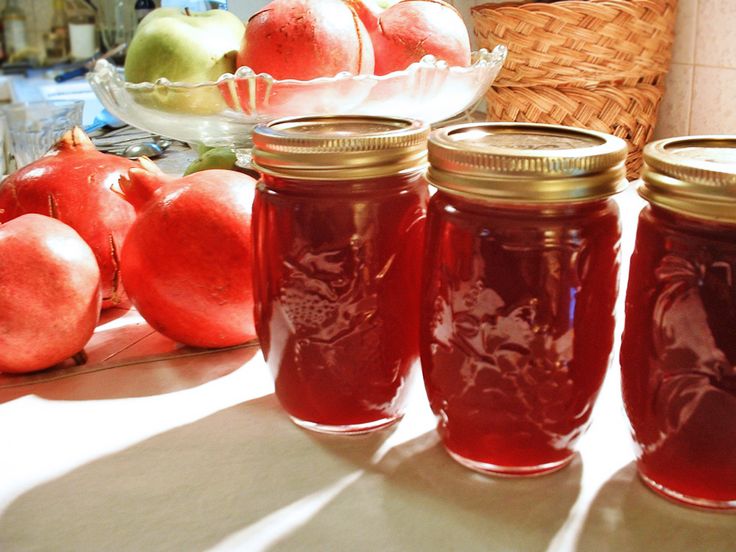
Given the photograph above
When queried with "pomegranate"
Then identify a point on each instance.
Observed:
(186, 263)
(367, 11)
(300, 40)
(306, 39)
(72, 183)
(49, 293)
(411, 29)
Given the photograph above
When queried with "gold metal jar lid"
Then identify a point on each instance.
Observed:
(693, 175)
(339, 147)
(526, 162)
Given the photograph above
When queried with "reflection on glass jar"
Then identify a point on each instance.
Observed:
(678, 355)
(338, 227)
(520, 282)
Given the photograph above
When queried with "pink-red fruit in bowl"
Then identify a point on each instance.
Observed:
(49, 293)
(367, 11)
(412, 29)
(306, 39)
(186, 263)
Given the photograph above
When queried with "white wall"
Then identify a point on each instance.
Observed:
(245, 8)
(701, 85)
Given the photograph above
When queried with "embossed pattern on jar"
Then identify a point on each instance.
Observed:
(519, 286)
(678, 350)
(338, 271)
(679, 355)
(516, 342)
(339, 299)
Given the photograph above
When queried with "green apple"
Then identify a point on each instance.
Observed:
(184, 46)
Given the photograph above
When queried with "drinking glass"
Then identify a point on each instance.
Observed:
(33, 127)
(117, 22)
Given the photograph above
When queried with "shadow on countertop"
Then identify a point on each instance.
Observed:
(156, 373)
(418, 498)
(627, 516)
(186, 489)
(246, 478)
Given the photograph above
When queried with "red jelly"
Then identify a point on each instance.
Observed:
(678, 353)
(519, 287)
(338, 231)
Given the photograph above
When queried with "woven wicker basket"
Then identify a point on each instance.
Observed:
(597, 64)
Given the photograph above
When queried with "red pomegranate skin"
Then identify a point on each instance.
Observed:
(49, 293)
(412, 29)
(72, 184)
(186, 263)
(306, 39)
(368, 12)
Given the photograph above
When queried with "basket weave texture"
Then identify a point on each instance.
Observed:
(597, 64)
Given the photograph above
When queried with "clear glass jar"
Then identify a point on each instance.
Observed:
(520, 281)
(338, 224)
(678, 353)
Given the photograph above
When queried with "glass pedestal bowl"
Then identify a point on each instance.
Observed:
(224, 112)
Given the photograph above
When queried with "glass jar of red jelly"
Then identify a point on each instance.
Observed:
(520, 280)
(338, 225)
(678, 352)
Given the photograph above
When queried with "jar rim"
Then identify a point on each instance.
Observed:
(692, 175)
(528, 162)
(339, 147)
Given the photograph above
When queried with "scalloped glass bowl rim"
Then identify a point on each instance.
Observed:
(480, 58)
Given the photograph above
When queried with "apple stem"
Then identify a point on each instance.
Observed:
(186, 11)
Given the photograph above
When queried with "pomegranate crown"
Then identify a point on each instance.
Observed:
(139, 185)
